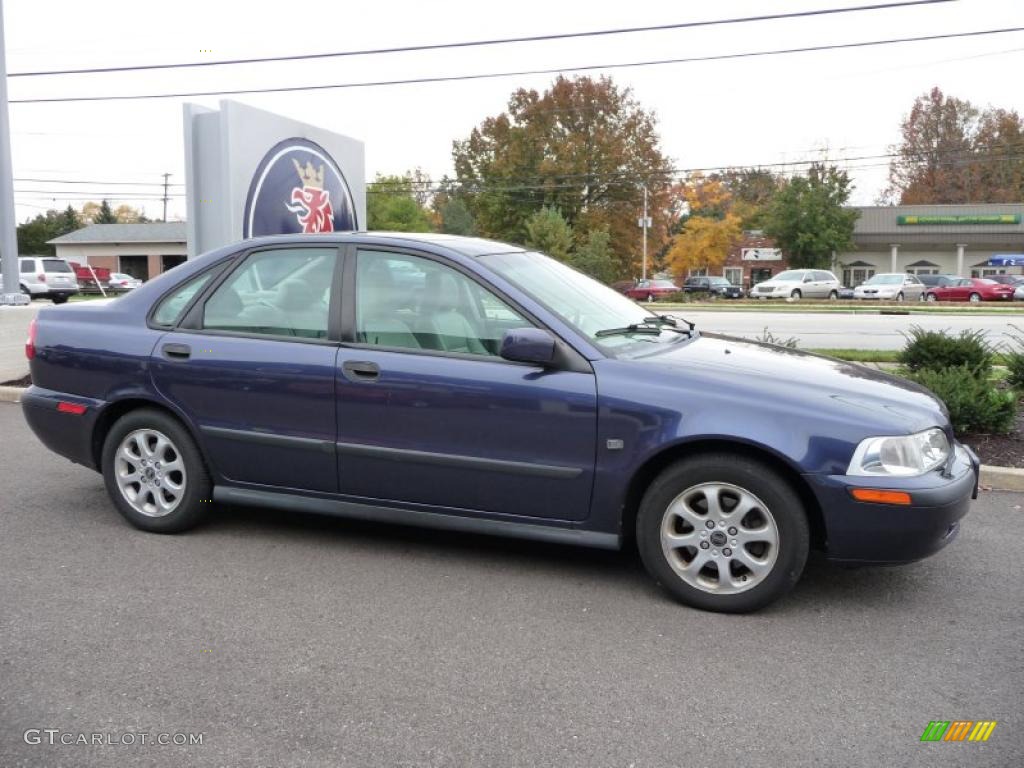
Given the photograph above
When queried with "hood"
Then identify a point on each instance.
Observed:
(791, 383)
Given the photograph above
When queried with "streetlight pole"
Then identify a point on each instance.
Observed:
(8, 232)
(644, 222)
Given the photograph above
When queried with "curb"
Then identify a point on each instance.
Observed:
(995, 478)
(1002, 478)
(11, 394)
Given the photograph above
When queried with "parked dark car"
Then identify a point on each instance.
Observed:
(1015, 280)
(652, 290)
(714, 286)
(464, 384)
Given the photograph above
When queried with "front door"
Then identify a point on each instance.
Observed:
(429, 414)
(252, 367)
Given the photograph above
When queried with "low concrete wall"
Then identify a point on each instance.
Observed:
(13, 332)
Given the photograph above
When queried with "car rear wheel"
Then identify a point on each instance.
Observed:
(723, 533)
(59, 299)
(899, 296)
(975, 298)
(833, 295)
(650, 298)
(795, 294)
(154, 472)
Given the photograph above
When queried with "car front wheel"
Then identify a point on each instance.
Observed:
(154, 472)
(795, 294)
(932, 297)
(723, 533)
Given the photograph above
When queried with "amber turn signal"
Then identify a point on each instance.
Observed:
(881, 497)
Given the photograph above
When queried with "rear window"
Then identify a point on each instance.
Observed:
(55, 265)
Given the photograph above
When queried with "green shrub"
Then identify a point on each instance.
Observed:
(1014, 358)
(974, 403)
(938, 351)
(767, 337)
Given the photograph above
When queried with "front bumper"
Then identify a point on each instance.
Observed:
(862, 532)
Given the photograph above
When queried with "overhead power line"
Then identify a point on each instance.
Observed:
(478, 43)
(523, 73)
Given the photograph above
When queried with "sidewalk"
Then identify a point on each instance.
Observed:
(13, 332)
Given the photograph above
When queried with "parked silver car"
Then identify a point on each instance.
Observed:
(892, 286)
(121, 281)
(45, 277)
(798, 284)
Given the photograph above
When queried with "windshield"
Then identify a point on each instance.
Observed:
(581, 301)
(884, 280)
(790, 275)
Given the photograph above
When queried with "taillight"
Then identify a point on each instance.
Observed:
(30, 342)
(41, 277)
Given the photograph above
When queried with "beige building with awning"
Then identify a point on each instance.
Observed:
(933, 239)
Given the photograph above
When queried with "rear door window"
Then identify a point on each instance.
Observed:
(28, 265)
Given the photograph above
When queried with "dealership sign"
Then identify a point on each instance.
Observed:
(250, 173)
(761, 254)
(298, 188)
(985, 218)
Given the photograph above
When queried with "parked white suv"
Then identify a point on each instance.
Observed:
(798, 284)
(45, 277)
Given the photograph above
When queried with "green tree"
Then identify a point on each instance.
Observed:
(548, 231)
(808, 218)
(104, 214)
(393, 205)
(456, 218)
(594, 256)
(584, 147)
(34, 234)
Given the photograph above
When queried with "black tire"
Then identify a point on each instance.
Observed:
(58, 299)
(930, 297)
(899, 296)
(833, 295)
(196, 497)
(974, 298)
(796, 294)
(755, 478)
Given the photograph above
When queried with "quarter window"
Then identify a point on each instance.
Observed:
(284, 292)
(415, 303)
(170, 309)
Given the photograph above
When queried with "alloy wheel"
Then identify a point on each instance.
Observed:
(150, 472)
(719, 538)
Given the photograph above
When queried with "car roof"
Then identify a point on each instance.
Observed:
(467, 246)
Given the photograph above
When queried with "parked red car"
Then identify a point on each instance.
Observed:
(972, 289)
(652, 290)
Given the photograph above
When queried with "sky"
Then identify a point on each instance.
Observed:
(765, 110)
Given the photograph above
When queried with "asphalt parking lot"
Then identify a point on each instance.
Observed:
(292, 640)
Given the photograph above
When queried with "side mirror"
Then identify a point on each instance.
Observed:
(528, 345)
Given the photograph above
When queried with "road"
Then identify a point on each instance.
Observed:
(289, 640)
(846, 331)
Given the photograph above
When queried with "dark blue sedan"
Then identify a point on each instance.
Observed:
(471, 385)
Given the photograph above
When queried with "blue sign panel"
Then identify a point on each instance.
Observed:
(298, 188)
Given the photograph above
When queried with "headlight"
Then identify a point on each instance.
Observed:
(902, 456)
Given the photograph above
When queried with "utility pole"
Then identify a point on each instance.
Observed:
(644, 223)
(8, 231)
(166, 177)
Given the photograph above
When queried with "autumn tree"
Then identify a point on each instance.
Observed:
(584, 147)
(952, 152)
(708, 227)
(547, 231)
(396, 204)
(808, 217)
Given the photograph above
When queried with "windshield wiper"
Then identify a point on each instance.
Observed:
(669, 320)
(644, 327)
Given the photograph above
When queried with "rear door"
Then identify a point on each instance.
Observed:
(252, 364)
